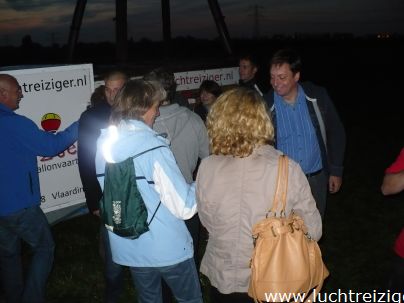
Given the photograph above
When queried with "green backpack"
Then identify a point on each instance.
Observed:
(122, 208)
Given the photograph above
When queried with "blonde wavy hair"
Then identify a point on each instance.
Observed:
(238, 123)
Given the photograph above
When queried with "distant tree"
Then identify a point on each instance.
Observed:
(26, 41)
(31, 52)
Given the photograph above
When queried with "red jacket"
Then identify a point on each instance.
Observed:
(396, 167)
(399, 245)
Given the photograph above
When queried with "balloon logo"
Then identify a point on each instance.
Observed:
(51, 122)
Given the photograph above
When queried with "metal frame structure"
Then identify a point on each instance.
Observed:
(121, 27)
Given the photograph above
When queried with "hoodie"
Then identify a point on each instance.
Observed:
(187, 135)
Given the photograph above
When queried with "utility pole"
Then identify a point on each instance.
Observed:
(256, 21)
(53, 38)
(166, 17)
(165, 12)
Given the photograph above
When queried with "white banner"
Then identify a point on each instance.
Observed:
(193, 79)
(54, 97)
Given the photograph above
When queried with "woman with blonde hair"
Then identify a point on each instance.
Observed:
(235, 188)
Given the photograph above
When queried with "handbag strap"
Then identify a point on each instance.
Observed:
(281, 185)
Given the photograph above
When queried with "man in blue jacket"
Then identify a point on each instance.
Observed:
(307, 126)
(21, 217)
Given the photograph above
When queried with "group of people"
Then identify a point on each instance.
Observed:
(236, 135)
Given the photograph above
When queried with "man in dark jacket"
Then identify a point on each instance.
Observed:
(21, 217)
(248, 72)
(91, 122)
(307, 126)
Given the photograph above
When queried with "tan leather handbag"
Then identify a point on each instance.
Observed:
(285, 260)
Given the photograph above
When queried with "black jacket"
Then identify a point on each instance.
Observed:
(201, 110)
(262, 89)
(332, 151)
(90, 124)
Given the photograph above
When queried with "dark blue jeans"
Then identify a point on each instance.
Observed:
(113, 272)
(182, 278)
(31, 226)
(194, 228)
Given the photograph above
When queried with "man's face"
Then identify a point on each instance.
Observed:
(246, 70)
(112, 87)
(11, 94)
(150, 116)
(283, 81)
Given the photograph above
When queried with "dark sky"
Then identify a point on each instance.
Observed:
(49, 21)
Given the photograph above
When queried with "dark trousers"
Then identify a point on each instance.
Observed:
(113, 272)
(194, 227)
(31, 226)
(319, 188)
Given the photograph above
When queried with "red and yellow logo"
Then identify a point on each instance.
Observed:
(51, 122)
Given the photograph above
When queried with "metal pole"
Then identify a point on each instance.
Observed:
(165, 10)
(121, 31)
(220, 24)
(75, 28)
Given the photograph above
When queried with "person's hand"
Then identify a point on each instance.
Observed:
(393, 183)
(334, 184)
(96, 213)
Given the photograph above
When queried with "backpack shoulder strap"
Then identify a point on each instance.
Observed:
(141, 153)
(155, 211)
(147, 150)
(135, 156)
(151, 182)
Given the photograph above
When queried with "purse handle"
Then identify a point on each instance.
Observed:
(281, 186)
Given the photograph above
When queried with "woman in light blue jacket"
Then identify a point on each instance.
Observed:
(166, 250)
